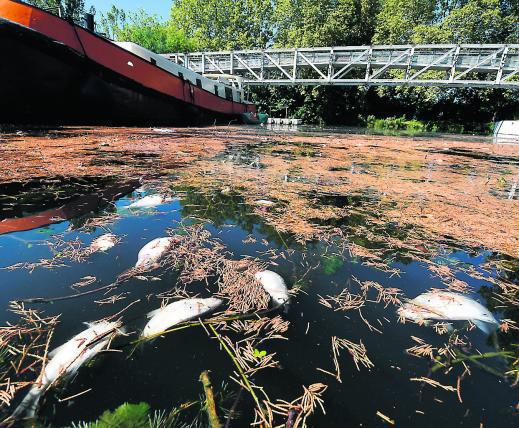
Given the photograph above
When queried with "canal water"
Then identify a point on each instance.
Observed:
(164, 373)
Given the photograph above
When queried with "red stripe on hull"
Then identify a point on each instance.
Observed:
(41, 21)
(117, 59)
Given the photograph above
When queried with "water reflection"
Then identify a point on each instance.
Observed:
(357, 248)
(31, 205)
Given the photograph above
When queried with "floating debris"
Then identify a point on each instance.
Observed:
(422, 349)
(237, 284)
(434, 383)
(412, 212)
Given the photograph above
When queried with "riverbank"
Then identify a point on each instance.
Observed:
(414, 126)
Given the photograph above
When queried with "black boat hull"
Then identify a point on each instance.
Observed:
(44, 81)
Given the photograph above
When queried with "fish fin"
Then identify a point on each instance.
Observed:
(151, 314)
(89, 324)
(29, 404)
(56, 350)
(485, 327)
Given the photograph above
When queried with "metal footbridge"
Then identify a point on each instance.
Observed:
(480, 66)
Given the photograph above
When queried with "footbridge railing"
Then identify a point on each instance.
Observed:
(474, 65)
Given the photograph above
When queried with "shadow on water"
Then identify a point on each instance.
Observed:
(472, 154)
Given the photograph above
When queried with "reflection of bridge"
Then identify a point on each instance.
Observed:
(455, 65)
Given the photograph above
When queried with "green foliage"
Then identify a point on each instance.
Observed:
(414, 126)
(125, 416)
(398, 124)
(331, 264)
(303, 23)
(71, 9)
(259, 354)
(398, 18)
(196, 25)
(448, 21)
(476, 21)
(145, 30)
(225, 24)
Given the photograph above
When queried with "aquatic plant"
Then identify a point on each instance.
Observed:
(127, 415)
(331, 264)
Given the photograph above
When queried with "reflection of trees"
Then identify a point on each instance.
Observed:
(21, 199)
(101, 211)
(360, 230)
(221, 208)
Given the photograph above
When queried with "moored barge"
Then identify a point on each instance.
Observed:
(54, 71)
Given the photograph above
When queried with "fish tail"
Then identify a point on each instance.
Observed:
(485, 327)
(286, 305)
(29, 404)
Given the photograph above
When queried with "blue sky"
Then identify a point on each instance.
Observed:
(159, 7)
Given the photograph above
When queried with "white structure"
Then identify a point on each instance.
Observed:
(474, 65)
(221, 85)
(286, 122)
(507, 131)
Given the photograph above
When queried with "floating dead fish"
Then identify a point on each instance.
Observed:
(103, 243)
(177, 312)
(226, 191)
(274, 285)
(448, 306)
(150, 201)
(151, 253)
(65, 361)
(164, 131)
(264, 203)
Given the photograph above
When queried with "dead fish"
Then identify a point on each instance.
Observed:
(182, 310)
(164, 130)
(151, 253)
(448, 306)
(150, 201)
(274, 285)
(103, 243)
(264, 203)
(65, 361)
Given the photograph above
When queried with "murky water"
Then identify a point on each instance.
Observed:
(164, 373)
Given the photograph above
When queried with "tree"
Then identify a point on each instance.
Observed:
(304, 23)
(71, 9)
(249, 24)
(145, 30)
(475, 21)
(398, 18)
(112, 22)
(225, 24)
